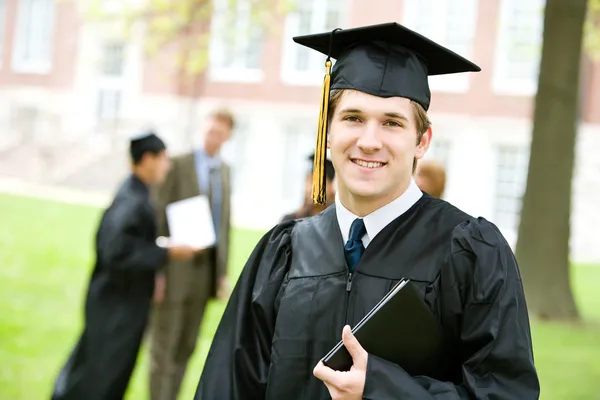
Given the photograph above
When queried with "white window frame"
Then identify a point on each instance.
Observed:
(432, 19)
(293, 51)
(110, 85)
(241, 32)
(511, 190)
(501, 83)
(19, 62)
(3, 25)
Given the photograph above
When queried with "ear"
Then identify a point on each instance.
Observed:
(423, 145)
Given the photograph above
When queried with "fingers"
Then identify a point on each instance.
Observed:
(323, 372)
(358, 354)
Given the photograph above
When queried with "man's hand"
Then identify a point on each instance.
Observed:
(223, 288)
(181, 253)
(160, 287)
(346, 385)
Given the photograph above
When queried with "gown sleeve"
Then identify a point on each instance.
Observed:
(497, 361)
(238, 361)
(121, 244)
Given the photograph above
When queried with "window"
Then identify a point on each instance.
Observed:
(450, 23)
(110, 80)
(302, 65)
(112, 59)
(518, 50)
(108, 104)
(511, 178)
(2, 29)
(34, 36)
(299, 143)
(236, 44)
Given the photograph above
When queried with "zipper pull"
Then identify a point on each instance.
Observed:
(349, 284)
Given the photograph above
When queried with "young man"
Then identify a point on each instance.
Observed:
(307, 281)
(188, 286)
(122, 283)
(431, 178)
(310, 209)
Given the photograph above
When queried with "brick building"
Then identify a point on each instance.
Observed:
(65, 81)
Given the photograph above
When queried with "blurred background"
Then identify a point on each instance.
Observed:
(78, 78)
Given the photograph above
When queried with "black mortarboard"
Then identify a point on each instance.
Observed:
(385, 60)
(329, 170)
(146, 141)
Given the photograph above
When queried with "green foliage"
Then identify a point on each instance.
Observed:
(183, 27)
(591, 30)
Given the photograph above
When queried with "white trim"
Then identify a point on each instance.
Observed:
(532, 19)
(23, 30)
(451, 23)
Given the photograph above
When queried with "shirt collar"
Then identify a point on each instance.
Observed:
(214, 161)
(379, 218)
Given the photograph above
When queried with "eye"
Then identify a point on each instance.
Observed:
(393, 124)
(351, 118)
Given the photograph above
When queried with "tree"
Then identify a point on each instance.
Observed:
(592, 30)
(543, 242)
(182, 28)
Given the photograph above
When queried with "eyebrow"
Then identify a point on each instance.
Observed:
(387, 114)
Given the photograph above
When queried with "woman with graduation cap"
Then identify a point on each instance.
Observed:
(122, 283)
(306, 281)
(309, 208)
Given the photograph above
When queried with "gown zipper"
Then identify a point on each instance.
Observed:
(348, 289)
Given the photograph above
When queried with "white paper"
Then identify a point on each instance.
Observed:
(190, 222)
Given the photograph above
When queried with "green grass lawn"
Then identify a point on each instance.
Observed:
(45, 261)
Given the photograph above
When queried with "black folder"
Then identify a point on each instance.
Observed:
(400, 328)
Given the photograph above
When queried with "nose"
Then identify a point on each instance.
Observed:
(369, 140)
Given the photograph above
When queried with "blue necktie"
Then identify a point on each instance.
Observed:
(354, 248)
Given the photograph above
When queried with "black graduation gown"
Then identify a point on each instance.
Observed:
(118, 299)
(291, 302)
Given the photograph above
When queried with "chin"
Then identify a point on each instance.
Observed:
(362, 190)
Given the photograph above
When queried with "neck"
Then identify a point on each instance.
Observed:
(362, 206)
(210, 151)
(142, 175)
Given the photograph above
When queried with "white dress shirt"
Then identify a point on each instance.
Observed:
(379, 218)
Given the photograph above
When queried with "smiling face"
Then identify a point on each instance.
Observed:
(374, 142)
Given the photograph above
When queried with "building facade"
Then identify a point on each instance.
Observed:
(63, 80)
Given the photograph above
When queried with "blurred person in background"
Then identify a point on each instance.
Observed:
(122, 283)
(185, 288)
(431, 178)
(308, 208)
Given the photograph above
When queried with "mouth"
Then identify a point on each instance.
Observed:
(368, 164)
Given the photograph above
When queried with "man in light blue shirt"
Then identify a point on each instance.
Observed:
(183, 291)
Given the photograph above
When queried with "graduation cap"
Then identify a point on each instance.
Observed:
(143, 142)
(384, 60)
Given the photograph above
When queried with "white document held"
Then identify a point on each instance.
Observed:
(190, 222)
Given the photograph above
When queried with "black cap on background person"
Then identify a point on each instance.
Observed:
(145, 142)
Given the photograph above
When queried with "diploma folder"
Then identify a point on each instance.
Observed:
(400, 328)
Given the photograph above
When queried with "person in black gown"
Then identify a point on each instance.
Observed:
(307, 281)
(309, 209)
(122, 284)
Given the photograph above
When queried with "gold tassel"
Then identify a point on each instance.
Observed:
(319, 182)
